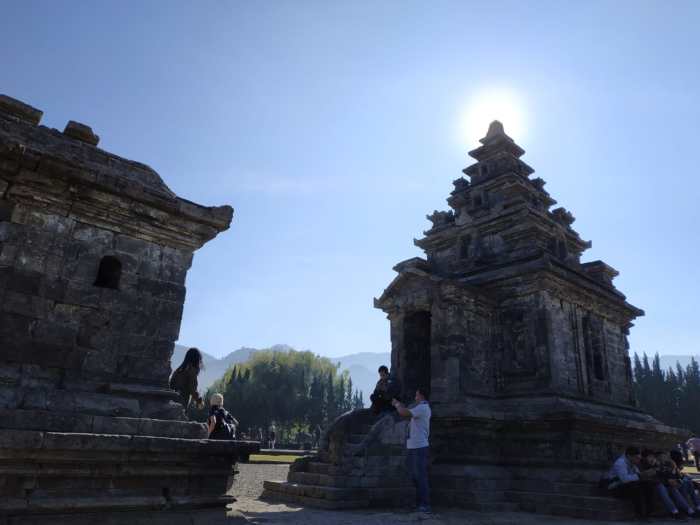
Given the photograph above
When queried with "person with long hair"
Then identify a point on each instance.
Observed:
(184, 378)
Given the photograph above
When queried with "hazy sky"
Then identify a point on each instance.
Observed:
(332, 128)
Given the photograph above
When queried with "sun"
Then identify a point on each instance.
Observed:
(489, 105)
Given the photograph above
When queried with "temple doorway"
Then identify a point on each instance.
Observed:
(416, 362)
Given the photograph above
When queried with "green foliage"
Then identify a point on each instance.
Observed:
(671, 396)
(295, 390)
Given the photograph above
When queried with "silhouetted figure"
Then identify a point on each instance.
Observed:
(184, 378)
(385, 390)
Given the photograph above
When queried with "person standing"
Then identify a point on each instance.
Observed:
(317, 436)
(417, 445)
(272, 436)
(693, 445)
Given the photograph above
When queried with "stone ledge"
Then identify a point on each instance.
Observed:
(77, 423)
(109, 443)
(19, 109)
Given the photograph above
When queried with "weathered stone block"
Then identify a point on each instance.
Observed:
(162, 290)
(82, 294)
(57, 333)
(33, 399)
(12, 324)
(93, 237)
(6, 207)
(81, 132)
(115, 425)
(8, 395)
(8, 254)
(20, 110)
(9, 373)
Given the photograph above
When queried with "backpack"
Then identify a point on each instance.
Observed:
(224, 429)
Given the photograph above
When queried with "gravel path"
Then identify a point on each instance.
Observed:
(249, 480)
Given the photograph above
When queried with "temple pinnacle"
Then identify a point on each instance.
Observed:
(495, 129)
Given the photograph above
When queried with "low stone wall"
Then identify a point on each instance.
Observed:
(50, 473)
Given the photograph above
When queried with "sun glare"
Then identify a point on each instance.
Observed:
(487, 106)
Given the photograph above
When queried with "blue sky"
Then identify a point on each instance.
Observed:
(332, 128)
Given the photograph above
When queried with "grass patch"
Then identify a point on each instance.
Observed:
(254, 458)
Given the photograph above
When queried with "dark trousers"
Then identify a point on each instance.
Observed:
(380, 403)
(639, 492)
(417, 465)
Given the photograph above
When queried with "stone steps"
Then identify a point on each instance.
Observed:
(307, 501)
(316, 491)
(576, 506)
(542, 499)
(587, 514)
(318, 467)
(348, 481)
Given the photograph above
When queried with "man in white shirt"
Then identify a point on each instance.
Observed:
(417, 445)
(625, 482)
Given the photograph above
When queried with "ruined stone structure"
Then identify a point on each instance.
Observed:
(523, 347)
(94, 250)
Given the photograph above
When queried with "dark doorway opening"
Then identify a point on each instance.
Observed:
(109, 273)
(416, 363)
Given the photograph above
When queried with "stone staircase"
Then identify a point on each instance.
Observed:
(360, 464)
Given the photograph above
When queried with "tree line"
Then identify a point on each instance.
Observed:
(295, 390)
(671, 396)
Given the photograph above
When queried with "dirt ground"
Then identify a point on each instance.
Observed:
(248, 488)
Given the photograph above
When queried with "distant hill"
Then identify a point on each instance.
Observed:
(363, 369)
(215, 367)
(361, 366)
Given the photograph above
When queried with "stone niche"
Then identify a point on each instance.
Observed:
(523, 346)
(94, 250)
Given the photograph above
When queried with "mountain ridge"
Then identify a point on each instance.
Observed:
(361, 366)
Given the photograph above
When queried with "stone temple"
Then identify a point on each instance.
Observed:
(523, 347)
(94, 250)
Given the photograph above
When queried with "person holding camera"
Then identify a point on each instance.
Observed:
(417, 445)
(221, 424)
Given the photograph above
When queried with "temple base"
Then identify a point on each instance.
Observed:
(50, 475)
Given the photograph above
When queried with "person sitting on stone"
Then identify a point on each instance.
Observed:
(671, 477)
(657, 471)
(384, 392)
(221, 424)
(624, 481)
(184, 378)
(687, 487)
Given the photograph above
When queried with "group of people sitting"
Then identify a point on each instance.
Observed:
(646, 476)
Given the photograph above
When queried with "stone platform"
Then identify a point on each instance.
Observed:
(548, 459)
(72, 473)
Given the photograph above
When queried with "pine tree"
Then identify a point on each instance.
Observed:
(331, 406)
